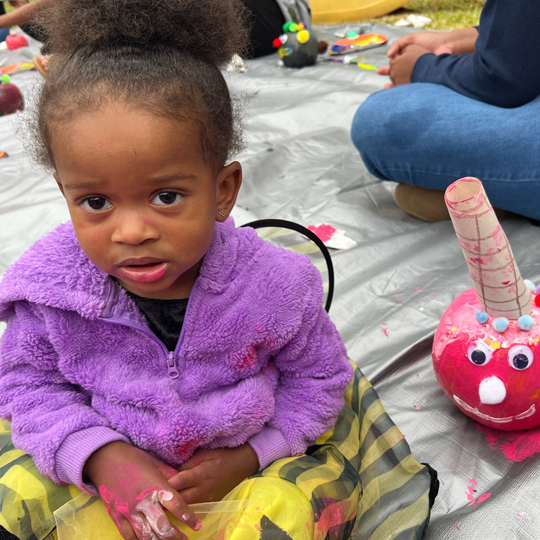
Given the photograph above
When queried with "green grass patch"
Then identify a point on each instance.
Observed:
(445, 14)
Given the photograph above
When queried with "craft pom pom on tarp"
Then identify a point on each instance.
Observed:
(486, 350)
(297, 46)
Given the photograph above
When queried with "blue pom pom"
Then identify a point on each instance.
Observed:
(530, 284)
(482, 317)
(526, 322)
(500, 324)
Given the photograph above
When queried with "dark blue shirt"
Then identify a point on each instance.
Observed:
(504, 70)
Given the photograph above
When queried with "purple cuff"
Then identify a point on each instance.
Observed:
(73, 453)
(269, 445)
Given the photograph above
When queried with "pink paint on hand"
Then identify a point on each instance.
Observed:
(323, 231)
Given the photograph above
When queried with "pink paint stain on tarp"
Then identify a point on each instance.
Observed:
(384, 330)
(470, 494)
(331, 237)
(515, 445)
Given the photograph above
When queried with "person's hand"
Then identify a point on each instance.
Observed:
(433, 42)
(134, 487)
(210, 474)
(402, 65)
(460, 41)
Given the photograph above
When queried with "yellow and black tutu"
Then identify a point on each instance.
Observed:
(358, 481)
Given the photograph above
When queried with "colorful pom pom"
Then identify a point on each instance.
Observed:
(293, 27)
(287, 25)
(537, 300)
(500, 324)
(525, 322)
(276, 43)
(283, 38)
(530, 284)
(482, 317)
(5, 78)
(302, 36)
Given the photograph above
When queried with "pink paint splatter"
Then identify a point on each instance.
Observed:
(323, 231)
(483, 497)
(418, 288)
(99, 144)
(416, 407)
(523, 516)
(385, 332)
(457, 527)
(473, 482)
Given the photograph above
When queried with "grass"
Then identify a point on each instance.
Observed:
(445, 14)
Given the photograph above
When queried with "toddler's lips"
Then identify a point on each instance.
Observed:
(143, 273)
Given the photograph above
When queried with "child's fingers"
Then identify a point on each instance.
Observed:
(125, 529)
(185, 479)
(178, 507)
(383, 70)
(154, 523)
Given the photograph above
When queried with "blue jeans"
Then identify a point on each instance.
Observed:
(428, 135)
(4, 33)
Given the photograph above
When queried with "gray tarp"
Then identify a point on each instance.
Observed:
(392, 288)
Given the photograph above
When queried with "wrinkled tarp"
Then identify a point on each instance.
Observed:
(391, 289)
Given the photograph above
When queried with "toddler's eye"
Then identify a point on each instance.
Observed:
(520, 357)
(96, 204)
(166, 198)
(479, 353)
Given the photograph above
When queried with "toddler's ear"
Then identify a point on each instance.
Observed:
(229, 180)
(60, 186)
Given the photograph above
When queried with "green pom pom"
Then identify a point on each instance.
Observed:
(5, 78)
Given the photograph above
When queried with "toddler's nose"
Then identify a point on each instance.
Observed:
(492, 391)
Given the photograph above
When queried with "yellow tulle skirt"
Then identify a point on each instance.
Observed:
(358, 481)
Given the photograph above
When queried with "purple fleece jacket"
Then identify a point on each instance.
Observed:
(258, 359)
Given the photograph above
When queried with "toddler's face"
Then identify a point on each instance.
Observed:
(142, 199)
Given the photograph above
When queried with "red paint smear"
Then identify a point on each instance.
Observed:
(385, 332)
(323, 231)
(515, 445)
(483, 497)
(457, 527)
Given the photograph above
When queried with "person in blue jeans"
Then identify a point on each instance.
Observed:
(473, 109)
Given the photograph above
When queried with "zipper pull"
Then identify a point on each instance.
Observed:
(172, 370)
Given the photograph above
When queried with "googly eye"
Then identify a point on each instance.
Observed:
(479, 353)
(520, 357)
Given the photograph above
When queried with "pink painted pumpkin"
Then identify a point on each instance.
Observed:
(492, 377)
(486, 351)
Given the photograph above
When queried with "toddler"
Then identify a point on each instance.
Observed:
(154, 353)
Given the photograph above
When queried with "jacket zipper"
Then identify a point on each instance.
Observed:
(170, 356)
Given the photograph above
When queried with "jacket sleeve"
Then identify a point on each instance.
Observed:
(51, 419)
(503, 70)
(314, 372)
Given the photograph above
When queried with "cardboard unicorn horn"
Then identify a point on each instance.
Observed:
(486, 350)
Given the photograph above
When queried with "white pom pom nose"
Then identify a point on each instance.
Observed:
(492, 391)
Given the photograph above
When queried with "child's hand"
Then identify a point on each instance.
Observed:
(133, 485)
(210, 474)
